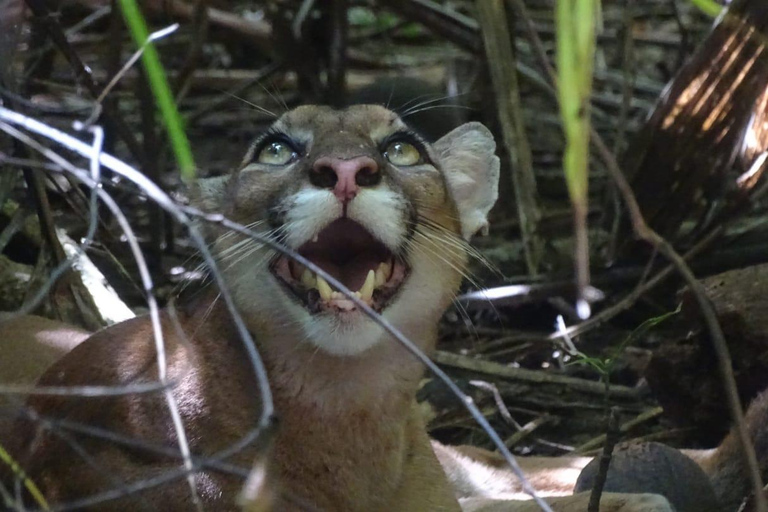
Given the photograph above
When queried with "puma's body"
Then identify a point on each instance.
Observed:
(362, 197)
(340, 443)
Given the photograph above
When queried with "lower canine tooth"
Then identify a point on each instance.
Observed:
(324, 288)
(366, 292)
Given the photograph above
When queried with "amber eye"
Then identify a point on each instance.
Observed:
(402, 153)
(276, 153)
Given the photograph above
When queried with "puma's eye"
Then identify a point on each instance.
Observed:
(276, 153)
(403, 153)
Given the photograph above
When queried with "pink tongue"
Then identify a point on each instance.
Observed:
(352, 273)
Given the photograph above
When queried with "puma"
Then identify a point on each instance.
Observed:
(362, 196)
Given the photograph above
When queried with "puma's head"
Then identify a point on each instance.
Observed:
(361, 195)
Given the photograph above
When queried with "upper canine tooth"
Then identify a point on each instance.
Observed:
(308, 279)
(382, 273)
(366, 292)
(381, 277)
(324, 288)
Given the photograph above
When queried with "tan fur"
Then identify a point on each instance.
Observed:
(610, 502)
(30, 344)
(477, 472)
(349, 436)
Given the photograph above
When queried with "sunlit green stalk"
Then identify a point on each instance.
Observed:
(160, 88)
(708, 7)
(576, 21)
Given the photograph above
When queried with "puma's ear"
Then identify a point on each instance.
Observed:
(467, 156)
(208, 193)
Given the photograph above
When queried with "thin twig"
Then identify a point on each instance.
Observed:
(83, 75)
(531, 376)
(612, 437)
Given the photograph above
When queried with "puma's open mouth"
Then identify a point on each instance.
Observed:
(352, 255)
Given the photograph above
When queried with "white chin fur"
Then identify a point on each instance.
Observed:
(343, 336)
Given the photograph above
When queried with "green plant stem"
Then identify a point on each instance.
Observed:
(160, 89)
(34, 491)
(708, 7)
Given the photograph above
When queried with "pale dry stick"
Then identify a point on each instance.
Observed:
(644, 232)
(527, 429)
(146, 279)
(180, 213)
(88, 21)
(531, 376)
(499, 400)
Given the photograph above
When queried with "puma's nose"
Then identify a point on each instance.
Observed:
(345, 177)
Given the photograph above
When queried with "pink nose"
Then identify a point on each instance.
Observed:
(345, 177)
